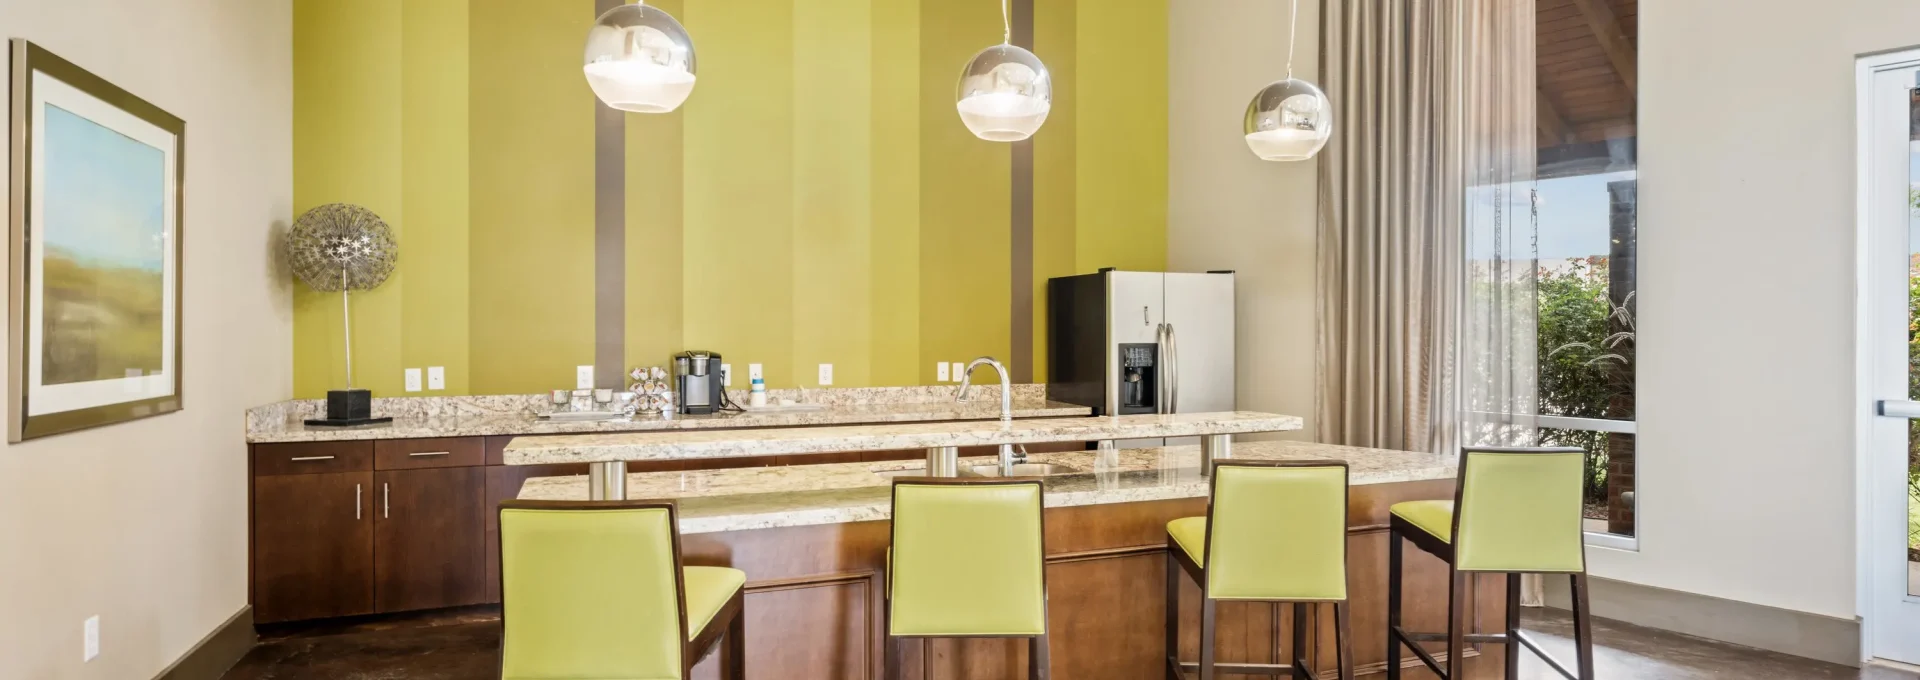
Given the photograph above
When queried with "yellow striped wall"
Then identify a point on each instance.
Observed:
(816, 200)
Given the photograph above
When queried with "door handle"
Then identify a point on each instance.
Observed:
(386, 501)
(356, 502)
(1162, 392)
(1898, 408)
(1173, 370)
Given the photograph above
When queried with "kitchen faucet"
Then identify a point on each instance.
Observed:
(1008, 457)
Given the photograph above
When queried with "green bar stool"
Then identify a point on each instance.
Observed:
(1519, 512)
(948, 532)
(596, 589)
(1275, 531)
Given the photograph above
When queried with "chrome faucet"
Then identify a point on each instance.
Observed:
(1008, 457)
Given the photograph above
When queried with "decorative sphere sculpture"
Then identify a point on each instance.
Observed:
(340, 246)
(1005, 94)
(1289, 120)
(640, 59)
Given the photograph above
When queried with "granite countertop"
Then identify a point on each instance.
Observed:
(422, 417)
(588, 448)
(801, 495)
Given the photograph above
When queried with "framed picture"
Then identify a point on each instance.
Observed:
(94, 300)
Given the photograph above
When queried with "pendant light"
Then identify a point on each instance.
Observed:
(1289, 120)
(1005, 92)
(639, 59)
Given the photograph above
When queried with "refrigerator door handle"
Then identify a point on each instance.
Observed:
(1173, 370)
(1160, 370)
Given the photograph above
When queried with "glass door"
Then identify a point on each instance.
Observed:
(1890, 189)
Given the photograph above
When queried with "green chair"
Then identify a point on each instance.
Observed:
(596, 589)
(967, 561)
(1519, 512)
(1276, 532)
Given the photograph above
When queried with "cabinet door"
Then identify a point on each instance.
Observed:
(428, 533)
(313, 546)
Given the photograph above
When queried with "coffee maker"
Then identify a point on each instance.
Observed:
(697, 382)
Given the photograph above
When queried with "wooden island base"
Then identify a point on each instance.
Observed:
(814, 597)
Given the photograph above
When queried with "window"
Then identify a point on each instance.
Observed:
(1585, 202)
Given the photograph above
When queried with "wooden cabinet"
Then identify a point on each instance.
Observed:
(427, 539)
(312, 546)
(345, 528)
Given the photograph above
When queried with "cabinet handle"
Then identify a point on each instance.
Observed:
(386, 501)
(299, 459)
(356, 502)
(422, 454)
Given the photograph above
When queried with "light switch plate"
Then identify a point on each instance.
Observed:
(583, 377)
(959, 371)
(90, 632)
(726, 375)
(436, 377)
(413, 380)
(826, 374)
(940, 371)
(753, 371)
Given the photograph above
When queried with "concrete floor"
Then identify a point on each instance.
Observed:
(464, 644)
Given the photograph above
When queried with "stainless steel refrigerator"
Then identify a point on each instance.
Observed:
(1128, 343)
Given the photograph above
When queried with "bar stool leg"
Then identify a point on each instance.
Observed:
(1299, 637)
(1039, 660)
(1456, 625)
(1582, 626)
(736, 649)
(1173, 617)
(1513, 627)
(1393, 604)
(1207, 632)
(1343, 639)
(889, 645)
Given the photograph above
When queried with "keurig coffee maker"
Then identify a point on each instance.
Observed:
(697, 382)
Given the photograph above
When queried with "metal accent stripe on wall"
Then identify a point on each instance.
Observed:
(609, 237)
(1021, 301)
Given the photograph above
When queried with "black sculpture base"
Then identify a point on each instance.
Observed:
(344, 422)
(349, 407)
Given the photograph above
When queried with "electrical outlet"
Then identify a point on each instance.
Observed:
(90, 632)
(436, 377)
(959, 371)
(726, 375)
(826, 374)
(941, 371)
(413, 380)
(753, 371)
(583, 377)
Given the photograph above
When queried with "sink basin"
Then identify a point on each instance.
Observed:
(1022, 470)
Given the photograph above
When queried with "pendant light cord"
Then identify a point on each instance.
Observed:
(1293, 23)
(1006, 23)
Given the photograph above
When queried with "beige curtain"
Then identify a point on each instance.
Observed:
(1428, 96)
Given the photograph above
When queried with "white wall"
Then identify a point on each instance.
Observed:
(1230, 210)
(144, 523)
(1746, 447)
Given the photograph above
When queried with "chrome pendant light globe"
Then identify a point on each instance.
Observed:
(640, 59)
(1289, 120)
(1005, 94)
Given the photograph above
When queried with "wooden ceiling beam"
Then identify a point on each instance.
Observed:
(1552, 126)
(1606, 29)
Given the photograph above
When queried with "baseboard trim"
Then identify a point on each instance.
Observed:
(1812, 636)
(214, 654)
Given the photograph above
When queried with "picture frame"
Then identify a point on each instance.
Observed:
(97, 186)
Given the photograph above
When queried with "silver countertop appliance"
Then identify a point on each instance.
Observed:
(1142, 342)
(697, 382)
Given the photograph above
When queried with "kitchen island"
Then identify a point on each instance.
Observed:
(813, 541)
(391, 518)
